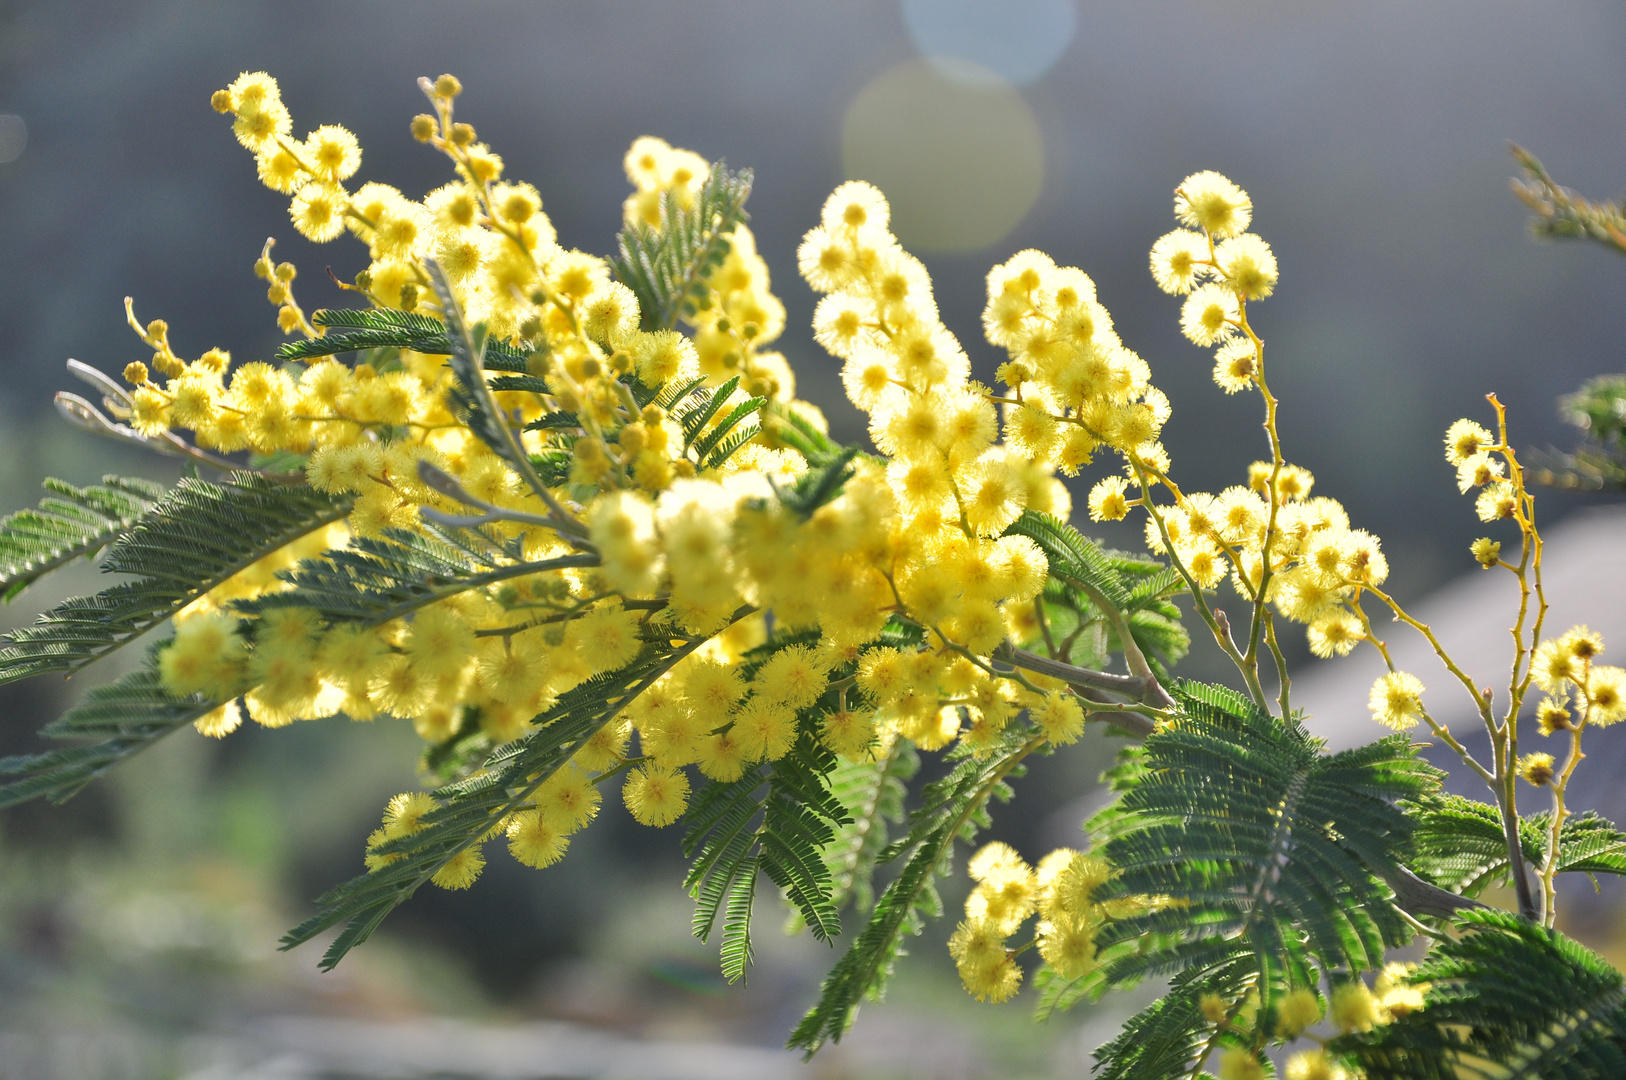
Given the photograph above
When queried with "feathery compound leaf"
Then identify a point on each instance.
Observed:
(796, 431)
(378, 579)
(736, 952)
(127, 716)
(1459, 843)
(386, 328)
(1163, 640)
(704, 406)
(1073, 556)
(194, 538)
(666, 267)
(1509, 999)
(729, 447)
(471, 399)
(817, 486)
(872, 793)
(1163, 1039)
(951, 810)
(1262, 842)
(69, 522)
(777, 818)
(706, 445)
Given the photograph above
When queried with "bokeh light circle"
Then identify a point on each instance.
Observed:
(13, 137)
(954, 147)
(1018, 39)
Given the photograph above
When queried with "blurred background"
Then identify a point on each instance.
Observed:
(138, 922)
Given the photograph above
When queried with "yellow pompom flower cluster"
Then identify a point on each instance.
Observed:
(674, 550)
(954, 490)
(1075, 388)
(1060, 891)
(1566, 668)
(1580, 692)
(737, 314)
(670, 618)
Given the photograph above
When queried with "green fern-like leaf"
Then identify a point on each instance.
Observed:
(471, 398)
(706, 446)
(729, 447)
(125, 717)
(1506, 999)
(1085, 576)
(703, 406)
(667, 267)
(68, 523)
(378, 579)
(796, 431)
(1268, 846)
(818, 486)
(777, 819)
(737, 952)
(194, 538)
(872, 793)
(1162, 638)
(951, 810)
(1162, 1040)
(1074, 557)
(358, 329)
(1460, 846)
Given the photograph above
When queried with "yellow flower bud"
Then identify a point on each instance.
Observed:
(1487, 552)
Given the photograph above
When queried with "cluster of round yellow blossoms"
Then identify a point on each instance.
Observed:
(1069, 374)
(1351, 1007)
(681, 551)
(741, 315)
(1581, 693)
(1009, 891)
(954, 490)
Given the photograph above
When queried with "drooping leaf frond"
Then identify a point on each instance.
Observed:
(1087, 577)
(124, 717)
(1508, 999)
(666, 267)
(780, 818)
(818, 486)
(386, 328)
(1163, 1039)
(377, 579)
(1460, 846)
(776, 818)
(471, 398)
(1261, 843)
(194, 538)
(872, 793)
(68, 523)
(951, 809)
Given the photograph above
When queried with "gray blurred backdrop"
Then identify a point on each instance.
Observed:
(1372, 137)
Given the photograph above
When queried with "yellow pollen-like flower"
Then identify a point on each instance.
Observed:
(1396, 700)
